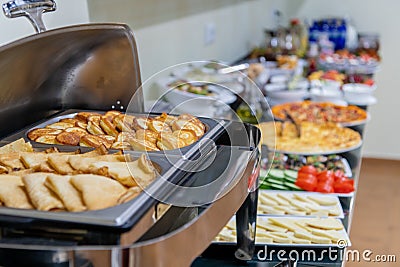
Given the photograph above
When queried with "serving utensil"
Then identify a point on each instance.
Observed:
(32, 9)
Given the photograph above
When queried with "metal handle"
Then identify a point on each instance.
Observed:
(32, 9)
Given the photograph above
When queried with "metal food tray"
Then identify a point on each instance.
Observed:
(305, 194)
(213, 128)
(342, 244)
(120, 217)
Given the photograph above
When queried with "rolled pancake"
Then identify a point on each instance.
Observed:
(17, 146)
(137, 173)
(36, 160)
(60, 163)
(130, 194)
(98, 192)
(41, 197)
(12, 161)
(82, 164)
(12, 193)
(61, 186)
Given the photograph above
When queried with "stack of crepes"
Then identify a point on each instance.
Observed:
(69, 181)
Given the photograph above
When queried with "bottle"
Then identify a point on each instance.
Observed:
(300, 37)
(250, 109)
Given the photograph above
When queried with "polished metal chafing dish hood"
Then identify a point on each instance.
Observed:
(93, 66)
(96, 67)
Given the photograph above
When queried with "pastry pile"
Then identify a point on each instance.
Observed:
(121, 131)
(69, 181)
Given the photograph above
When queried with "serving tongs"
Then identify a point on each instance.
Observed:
(32, 9)
(292, 120)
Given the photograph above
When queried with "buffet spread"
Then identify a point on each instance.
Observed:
(80, 172)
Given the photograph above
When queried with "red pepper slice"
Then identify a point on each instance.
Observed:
(344, 186)
(324, 188)
(307, 183)
(308, 169)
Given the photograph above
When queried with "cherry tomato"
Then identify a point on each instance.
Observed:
(308, 169)
(324, 188)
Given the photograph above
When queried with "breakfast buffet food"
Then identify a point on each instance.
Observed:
(292, 230)
(297, 203)
(120, 131)
(308, 137)
(307, 178)
(319, 112)
(294, 162)
(185, 86)
(69, 181)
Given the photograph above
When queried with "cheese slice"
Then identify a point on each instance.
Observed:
(326, 224)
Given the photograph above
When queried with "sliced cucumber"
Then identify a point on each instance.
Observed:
(292, 186)
(290, 180)
(290, 174)
(274, 181)
(265, 185)
(276, 173)
(278, 187)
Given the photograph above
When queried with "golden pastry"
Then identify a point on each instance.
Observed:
(122, 124)
(111, 114)
(187, 136)
(187, 125)
(68, 138)
(142, 145)
(98, 192)
(12, 193)
(140, 123)
(35, 133)
(83, 116)
(147, 135)
(108, 127)
(77, 130)
(47, 139)
(159, 126)
(94, 128)
(125, 136)
(41, 197)
(60, 125)
(169, 141)
(61, 186)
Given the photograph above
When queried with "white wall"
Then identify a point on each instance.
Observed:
(238, 27)
(68, 12)
(382, 135)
